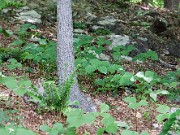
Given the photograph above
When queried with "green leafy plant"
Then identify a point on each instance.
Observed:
(134, 104)
(143, 56)
(58, 128)
(15, 130)
(56, 97)
(10, 3)
(76, 118)
(4, 117)
(3, 31)
(169, 123)
(23, 30)
(129, 132)
(122, 50)
(18, 85)
(13, 64)
(86, 47)
(79, 25)
(164, 113)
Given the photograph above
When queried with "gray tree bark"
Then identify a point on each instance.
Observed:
(65, 54)
(171, 4)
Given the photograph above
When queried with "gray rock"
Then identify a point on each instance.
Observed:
(118, 40)
(96, 27)
(94, 53)
(101, 56)
(80, 31)
(174, 48)
(105, 57)
(6, 10)
(157, 126)
(127, 58)
(173, 109)
(143, 39)
(29, 16)
(89, 17)
(107, 20)
(25, 8)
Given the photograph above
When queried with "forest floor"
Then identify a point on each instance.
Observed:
(28, 112)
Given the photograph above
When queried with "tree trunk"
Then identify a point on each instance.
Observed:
(171, 4)
(65, 54)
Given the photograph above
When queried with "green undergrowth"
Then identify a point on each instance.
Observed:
(103, 75)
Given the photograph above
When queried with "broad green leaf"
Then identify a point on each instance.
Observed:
(90, 69)
(163, 92)
(23, 131)
(126, 79)
(153, 55)
(3, 131)
(5, 32)
(95, 62)
(112, 128)
(133, 105)
(108, 121)
(18, 42)
(10, 82)
(45, 128)
(102, 69)
(105, 115)
(27, 55)
(161, 117)
(42, 42)
(143, 103)
(114, 68)
(58, 125)
(122, 124)
(76, 112)
(24, 83)
(116, 55)
(71, 131)
(104, 108)
(116, 77)
(100, 131)
(130, 99)
(100, 82)
(3, 117)
(140, 74)
(128, 132)
(13, 64)
(20, 91)
(89, 118)
(53, 132)
(75, 118)
(173, 84)
(149, 76)
(75, 121)
(163, 109)
(104, 63)
(153, 96)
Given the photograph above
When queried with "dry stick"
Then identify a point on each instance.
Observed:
(165, 64)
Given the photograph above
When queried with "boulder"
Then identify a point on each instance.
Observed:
(118, 40)
(30, 16)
